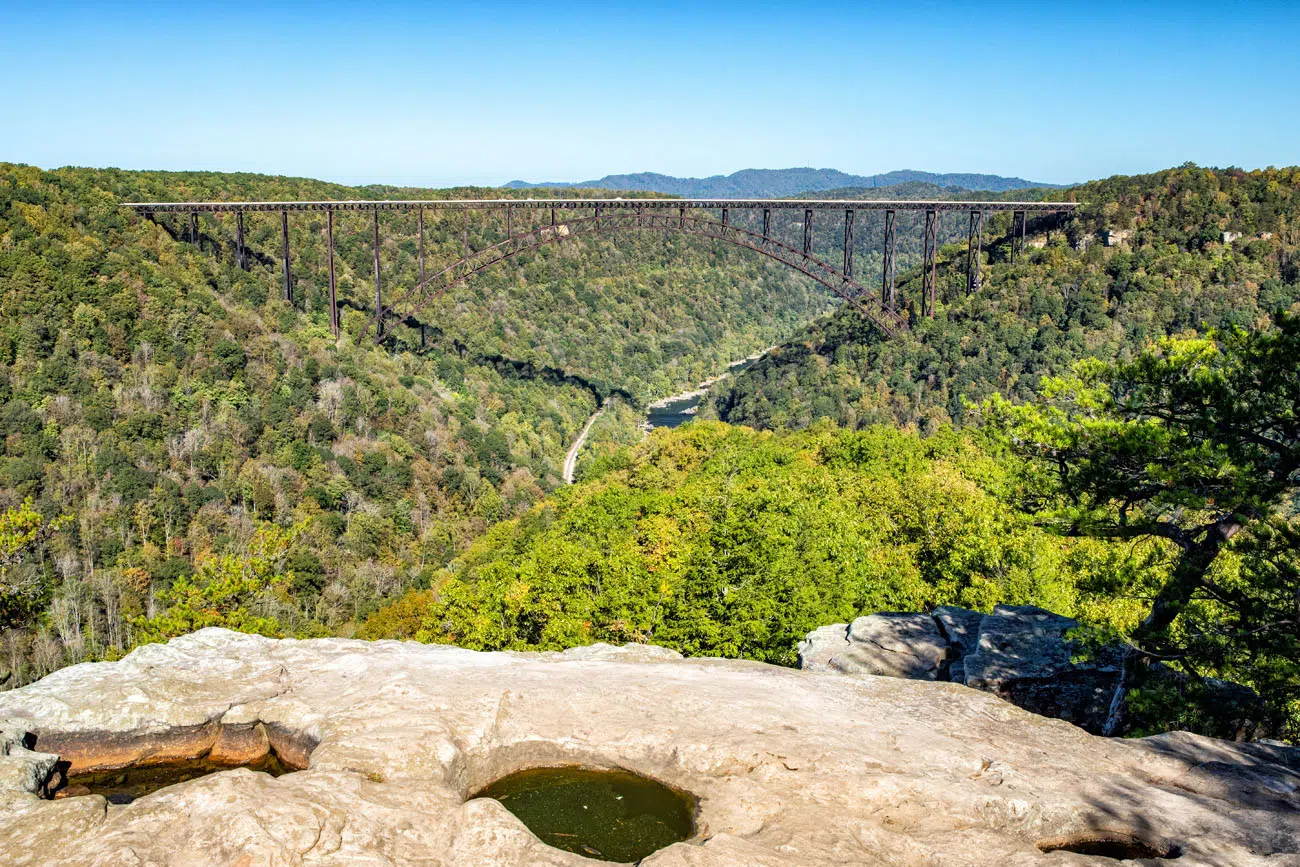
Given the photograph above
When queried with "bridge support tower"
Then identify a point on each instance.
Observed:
(848, 242)
(888, 296)
(241, 252)
(284, 254)
(334, 299)
(379, 300)
(974, 251)
(930, 266)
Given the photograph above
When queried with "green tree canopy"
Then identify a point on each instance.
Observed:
(1192, 442)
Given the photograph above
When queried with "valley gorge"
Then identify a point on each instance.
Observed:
(879, 448)
(271, 595)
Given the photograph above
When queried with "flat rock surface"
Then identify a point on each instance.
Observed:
(791, 767)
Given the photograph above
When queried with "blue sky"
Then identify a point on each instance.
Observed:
(440, 94)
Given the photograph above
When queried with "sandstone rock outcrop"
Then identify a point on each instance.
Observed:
(1024, 654)
(823, 645)
(893, 645)
(791, 767)
(962, 629)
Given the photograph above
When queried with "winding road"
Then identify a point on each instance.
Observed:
(571, 459)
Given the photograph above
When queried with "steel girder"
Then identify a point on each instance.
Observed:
(887, 290)
(929, 268)
(612, 214)
(974, 249)
(284, 255)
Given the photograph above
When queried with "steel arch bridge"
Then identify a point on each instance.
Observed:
(592, 217)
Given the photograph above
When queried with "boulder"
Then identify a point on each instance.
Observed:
(822, 645)
(894, 645)
(888, 644)
(961, 627)
(791, 768)
(1025, 656)
(22, 770)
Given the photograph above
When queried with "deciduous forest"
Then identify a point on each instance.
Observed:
(1107, 428)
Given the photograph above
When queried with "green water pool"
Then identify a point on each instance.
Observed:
(610, 814)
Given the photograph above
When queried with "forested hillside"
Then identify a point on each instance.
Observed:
(1070, 298)
(1152, 499)
(722, 541)
(162, 409)
(184, 448)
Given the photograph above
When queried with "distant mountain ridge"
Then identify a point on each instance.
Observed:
(773, 183)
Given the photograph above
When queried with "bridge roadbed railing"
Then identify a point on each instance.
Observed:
(587, 204)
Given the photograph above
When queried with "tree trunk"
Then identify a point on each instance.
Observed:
(1189, 574)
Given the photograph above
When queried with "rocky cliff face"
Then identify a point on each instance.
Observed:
(791, 767)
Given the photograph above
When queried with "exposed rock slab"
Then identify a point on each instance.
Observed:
(894, 645)
(1022, 653)
(792, 768)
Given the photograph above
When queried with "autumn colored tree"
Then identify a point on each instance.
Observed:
(23, 531)
(231, 590)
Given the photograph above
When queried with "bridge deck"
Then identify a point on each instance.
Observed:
(570, 204)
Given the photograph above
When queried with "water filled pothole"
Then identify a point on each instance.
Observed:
(613, 815)
(1110, 844)
(124, 785)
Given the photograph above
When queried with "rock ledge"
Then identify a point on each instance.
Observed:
(791, 767)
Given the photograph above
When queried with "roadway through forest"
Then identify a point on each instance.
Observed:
(571, 459)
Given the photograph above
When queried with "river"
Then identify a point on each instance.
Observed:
(677, 409)
(668, 411)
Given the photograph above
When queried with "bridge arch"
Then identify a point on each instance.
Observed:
(435, 285)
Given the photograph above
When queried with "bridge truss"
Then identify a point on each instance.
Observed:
(571, 219)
